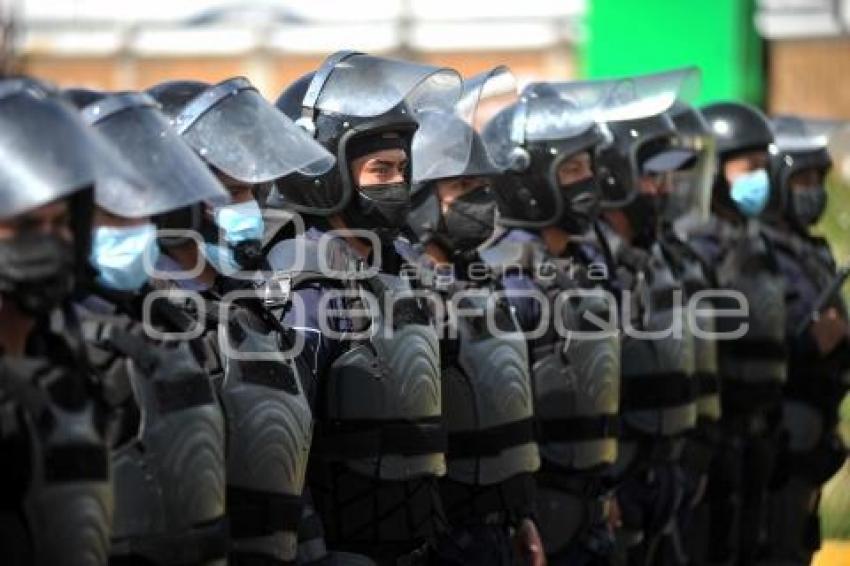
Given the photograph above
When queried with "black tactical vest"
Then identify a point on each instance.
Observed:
(753, 368)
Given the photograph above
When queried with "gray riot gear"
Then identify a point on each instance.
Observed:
(576, 383)
(695, 276)
(268, 424)
(67, 503)
(758, 358)
(752, 370)
(168, 459)
(488, 407)
(380, 441)
(658, 385)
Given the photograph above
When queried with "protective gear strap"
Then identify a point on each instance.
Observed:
(577, 429)
(243, 558)
(490, 441)
(754, 348)
(197, 546)
(255, 513)
(707, 383)
(657, 390)
(343, 440)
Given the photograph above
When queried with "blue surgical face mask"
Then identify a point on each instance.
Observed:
(750, 192)
(222, 258)
(238, 222)
(118, 254)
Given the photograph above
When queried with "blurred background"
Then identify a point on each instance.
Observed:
(787, 56)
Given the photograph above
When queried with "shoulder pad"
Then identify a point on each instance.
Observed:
(302, 260)
(509, 255)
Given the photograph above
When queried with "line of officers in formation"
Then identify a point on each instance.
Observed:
(155, 276)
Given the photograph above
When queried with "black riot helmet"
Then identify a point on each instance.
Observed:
(737, 128)
(552, 122)
(640, 147)
(352, 105)
(801, 145)
(637, 147)
(47, 154)
(449, 148)
(689, 203)
(173, 177)
(239, 134)
(529, 140)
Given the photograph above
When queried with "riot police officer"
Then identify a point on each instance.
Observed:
(168, 427)
(548, 200)
(817, 335)
(488, 491)
(687, 209)
(657, 396)
(380, 440)
(56, 497)
(753, 367)
(252, 358)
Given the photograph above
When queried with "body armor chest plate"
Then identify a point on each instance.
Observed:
(692, 273)
(759, 356)
(68, 505)
(577, 374)
(658, 349)
(269, 431)
(487, 399)
(385, 391)
(169, 473)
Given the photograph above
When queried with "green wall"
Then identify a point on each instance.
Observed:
(639, 36)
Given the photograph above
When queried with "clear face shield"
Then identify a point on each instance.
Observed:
(447, 143)
(641, 98)
(690, 195)
(233, 128)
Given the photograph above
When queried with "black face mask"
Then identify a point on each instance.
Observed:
(808, 205)
(644, 214)
(36, 272)
(381, 208)
(470, 220)
(581, 206)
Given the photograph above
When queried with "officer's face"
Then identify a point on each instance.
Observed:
(379, 168)
(448, 190)
(656, 184)
(806, 179)
(575, 168)
(52, 219)
(239, 192)
(743, 164)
